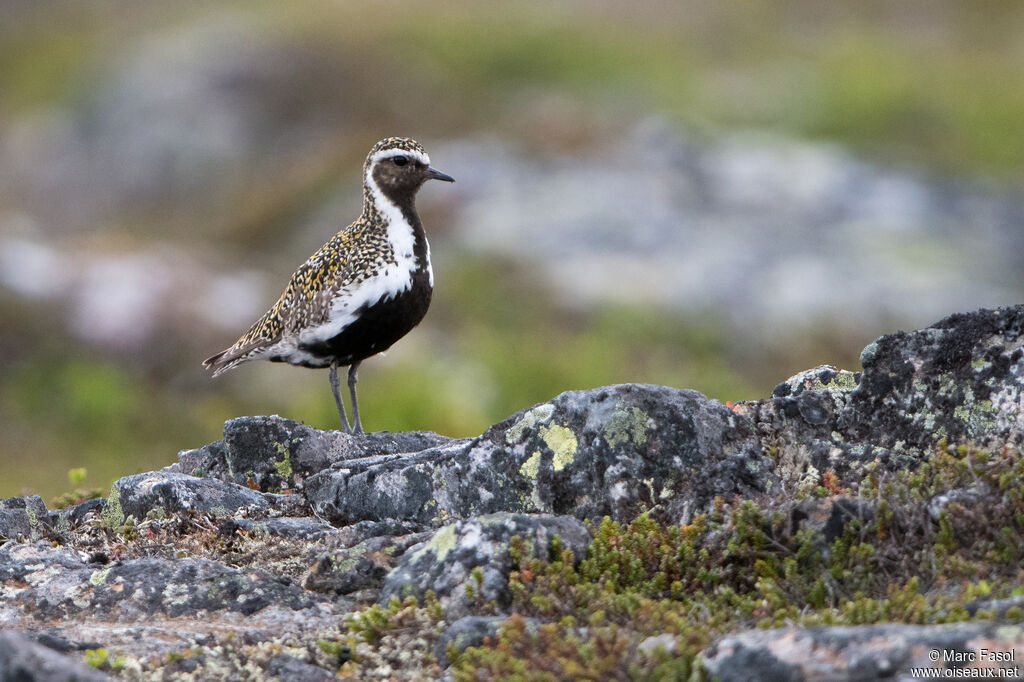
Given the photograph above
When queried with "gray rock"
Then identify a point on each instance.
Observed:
(24, 660)
(275, 454)
(37, 563)
(361, 567)
(964, 497)
(65, 520)
(466, 632)
(56, 583)
(55, 640)
(616, 451)
(999, 607)
(445, 563)
(188, 586)
(851, 653)
(304, 528)
(163, 492)
(292, 669)
(665, 641)
(960, 379)
(352, 535)
(23, 517)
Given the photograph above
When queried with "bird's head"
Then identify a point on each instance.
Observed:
(398, 167)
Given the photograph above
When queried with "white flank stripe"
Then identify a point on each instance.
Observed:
(393, 280)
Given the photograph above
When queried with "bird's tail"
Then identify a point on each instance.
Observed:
(227, 359)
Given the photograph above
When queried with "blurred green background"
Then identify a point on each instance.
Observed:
(165, 166)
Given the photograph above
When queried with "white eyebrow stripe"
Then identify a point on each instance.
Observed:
(390, 153)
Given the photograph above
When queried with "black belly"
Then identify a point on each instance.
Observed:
(375, 328)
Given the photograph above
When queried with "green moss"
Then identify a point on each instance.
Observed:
(340, 651)
(97, 658)
(74, 497)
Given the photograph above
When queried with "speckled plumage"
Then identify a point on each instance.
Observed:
(362, 290)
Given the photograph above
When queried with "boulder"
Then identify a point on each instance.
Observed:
(362, 567)
(273, 454)
(57, 583)
(249, 551)
(466, 632)
(869, 652)
(163, 492)
(961, 379)
(445, 564)
(23, 517)
(617, 451)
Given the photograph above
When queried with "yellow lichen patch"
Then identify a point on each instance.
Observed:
(537, 415)
(563, 444)
(531, 466)
(442, 543)
(284, 465)
(99, 577)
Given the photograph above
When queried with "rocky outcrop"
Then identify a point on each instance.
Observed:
(960, 380)
(273, 454)
(470, 559)
(246, 553)
(845, 654)
(23, 518)
(616, 451)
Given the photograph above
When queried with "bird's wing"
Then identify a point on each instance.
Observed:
(305, 302)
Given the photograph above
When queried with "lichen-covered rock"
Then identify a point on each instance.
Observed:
(221, 577)
(868, 652)
(67, 519)
(24, 660)
(362, 567)
(163, 492)
(274, 454)
(56, 583)
(466, 632)
(23, 517)
(296, 527)
(961, 379)
(189, 586)
(288, 668)
(799, 423)
(446, 563)
(616, 451)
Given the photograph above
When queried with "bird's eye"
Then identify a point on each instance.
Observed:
(400, 160)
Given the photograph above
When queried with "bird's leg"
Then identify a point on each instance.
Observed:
(353, 377)
(337, 397)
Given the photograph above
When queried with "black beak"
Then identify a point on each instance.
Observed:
(434, 174)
